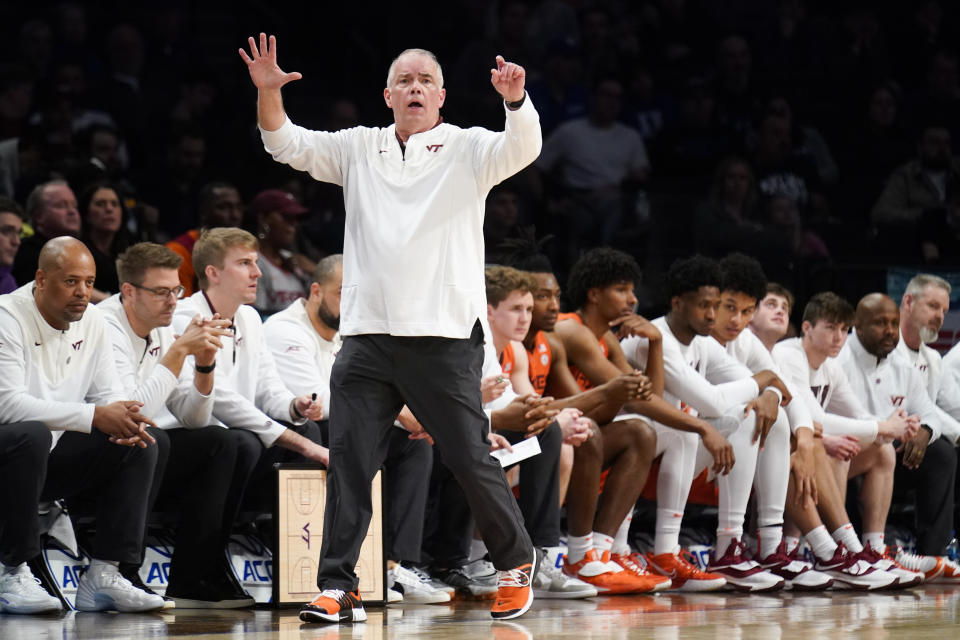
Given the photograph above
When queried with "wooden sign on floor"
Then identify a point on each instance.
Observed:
(298, 518)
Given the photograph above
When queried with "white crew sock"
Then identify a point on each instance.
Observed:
(769, 539)
(602, 542)
(578, 546)
(621, 544)
(725, 536)
(793, 542)
(875, 540)
(848, 537)
(821, 543)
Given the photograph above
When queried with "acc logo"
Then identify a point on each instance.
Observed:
(434, 147)
(252, 571)
(541, 347)
(293, 347)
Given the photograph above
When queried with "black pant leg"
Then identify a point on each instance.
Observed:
(451, 523)
(24, 450)
(363, 406)
(249, 450)
(407, 477)
(439, 378)
(119, 477)
(198, 480)
(539, 498)
(934, 483)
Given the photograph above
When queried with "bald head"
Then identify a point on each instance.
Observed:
(873, 303)
(58, 252)
(64, 281)
(878, 324)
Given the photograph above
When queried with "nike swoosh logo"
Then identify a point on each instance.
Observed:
(37, 344)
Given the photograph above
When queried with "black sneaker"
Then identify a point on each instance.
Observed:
(132, 573)
(204, 594)
(334, 605)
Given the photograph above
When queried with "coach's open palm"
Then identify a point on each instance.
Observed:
(262, 64)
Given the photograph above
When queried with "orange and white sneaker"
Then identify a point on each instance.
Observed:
(887, 562)
(605, 576)
(515, 590)
(634, 564)
(334, 605)
(935, 569)
(684, 574)
(951, 572)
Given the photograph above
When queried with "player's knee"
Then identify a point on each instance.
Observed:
(886, 458)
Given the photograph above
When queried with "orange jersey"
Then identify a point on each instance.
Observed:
(506, 360)
(540, 360)
(583, 381)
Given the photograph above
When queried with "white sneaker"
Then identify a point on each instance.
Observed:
(20, 592)
(797, 574)
(743, 573)
(849, 571)
(551, 582)
(102, 588)
(394, 596)
(886, 562)
(415, 586)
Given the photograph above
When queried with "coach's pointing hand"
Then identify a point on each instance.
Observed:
(508, 79)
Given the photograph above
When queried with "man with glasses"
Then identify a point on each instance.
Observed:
(208, 465)
(11, 223)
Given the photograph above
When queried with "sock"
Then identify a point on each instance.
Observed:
(821, 543)
(725, 536)
(478, 549)
(668, 531)
(792, 543)
(875, 540)
(9, 570)
(602, 542)
(768, 539)
(621, 545)
(848, 537)
(577, 547)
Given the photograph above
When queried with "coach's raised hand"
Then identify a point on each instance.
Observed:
(268, 77)
(508, 79)
(262, 64)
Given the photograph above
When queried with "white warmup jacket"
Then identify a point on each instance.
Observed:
(55, 377)
(137, 362)
(247, 391)
(884, 385)
(413, 254)
(827, 391)
(700, 375)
